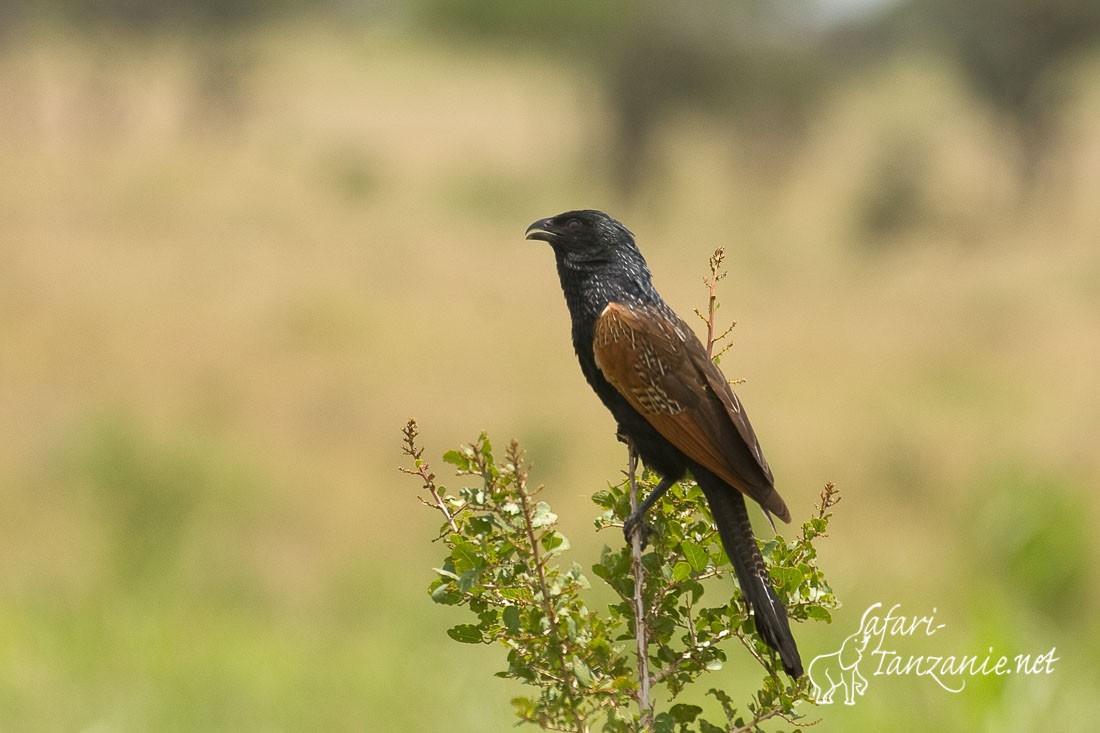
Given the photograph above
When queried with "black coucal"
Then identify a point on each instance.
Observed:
(669, 399)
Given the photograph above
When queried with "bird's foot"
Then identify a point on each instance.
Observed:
(633, 523)
(622, 437)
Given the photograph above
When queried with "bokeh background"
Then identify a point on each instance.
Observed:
(241, 243)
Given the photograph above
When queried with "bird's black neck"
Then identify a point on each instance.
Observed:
(588, 289)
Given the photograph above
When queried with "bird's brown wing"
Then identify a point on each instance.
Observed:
(659, 366)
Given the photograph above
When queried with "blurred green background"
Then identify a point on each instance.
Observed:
(240, 244)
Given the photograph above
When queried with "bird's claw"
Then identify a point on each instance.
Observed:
(633, 523)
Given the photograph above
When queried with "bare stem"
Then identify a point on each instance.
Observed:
(423, 470)
(760, 718)
(716, 274)
(524, 497)
(641, 625)
(830, 497)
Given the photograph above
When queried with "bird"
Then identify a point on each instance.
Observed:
(669, 399)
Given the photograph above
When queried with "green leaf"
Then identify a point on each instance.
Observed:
(525, 708)
(816, 526)
(683, 713)
(543, 516)
(695, 555)
(681, 571)
(818, 613)
(478, 525)
(583, 673)
(554, 542)
(788, 578)
(663, 723)
(446, 596)
(469, 580)
(489, 617)
(604, 499)
(457, 460)
(466, 556)
(571, 628)
(446, 573)
(465, 633)
(511, 619)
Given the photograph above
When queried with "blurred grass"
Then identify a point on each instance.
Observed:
(213, 333)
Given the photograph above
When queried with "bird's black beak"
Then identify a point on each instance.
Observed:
(542, 229)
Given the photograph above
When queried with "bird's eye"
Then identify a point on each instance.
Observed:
(574, 225)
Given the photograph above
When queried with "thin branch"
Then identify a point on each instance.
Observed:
(673, 587)
(760, 718)
(516, 459)
(711, 282)
(423, 470)
(641, 625)
(830, 497)
(688, 656)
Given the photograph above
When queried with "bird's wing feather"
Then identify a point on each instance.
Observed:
(736, 412)
(659, 366)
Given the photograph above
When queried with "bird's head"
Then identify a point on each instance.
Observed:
(587, 239)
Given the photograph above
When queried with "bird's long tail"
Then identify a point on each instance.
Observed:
(727, 504)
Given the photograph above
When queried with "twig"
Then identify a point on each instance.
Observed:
(641, 625)
(830, 497)
(423, 470)
(760, 718)
(711, 282)
(524, 496)
(688, 656)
